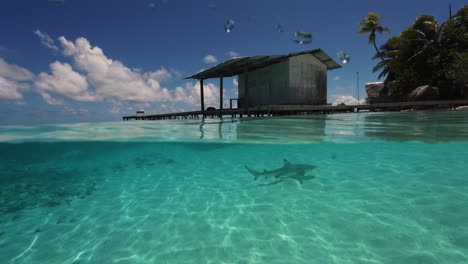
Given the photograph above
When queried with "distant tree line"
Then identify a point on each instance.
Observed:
(426, 53)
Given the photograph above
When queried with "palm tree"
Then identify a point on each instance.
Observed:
(422, 36)
(389, 51)
(424, 53)
(371, 24)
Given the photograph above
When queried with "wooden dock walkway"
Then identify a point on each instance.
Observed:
(275, 110)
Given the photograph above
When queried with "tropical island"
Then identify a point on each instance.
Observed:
(426, 61)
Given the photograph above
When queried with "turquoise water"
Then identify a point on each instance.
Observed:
(386, 188)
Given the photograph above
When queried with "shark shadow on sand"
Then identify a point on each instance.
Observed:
(304, 178)
(288, 171)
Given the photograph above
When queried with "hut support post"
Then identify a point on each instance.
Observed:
(245, 100)
(202, 99)
(220, 97)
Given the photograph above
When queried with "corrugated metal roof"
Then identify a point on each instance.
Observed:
(238, 65)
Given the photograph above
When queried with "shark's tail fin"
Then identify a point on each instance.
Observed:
(254, 173)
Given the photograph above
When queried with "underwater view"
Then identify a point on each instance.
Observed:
(345, 188)
(269, 140)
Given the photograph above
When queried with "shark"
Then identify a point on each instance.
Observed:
(289, 170)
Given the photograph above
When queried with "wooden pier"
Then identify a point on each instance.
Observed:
(276, 110)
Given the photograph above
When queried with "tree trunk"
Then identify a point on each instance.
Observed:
(390, 72)
(378, 52)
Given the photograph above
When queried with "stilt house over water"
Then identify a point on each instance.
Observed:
(293, 79)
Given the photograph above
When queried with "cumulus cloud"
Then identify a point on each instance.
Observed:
(92, 77)
(66, 82)
(49, 99)
(9, 90)
(235, 82)
(12, 78)
(232, 54)
(14, 72)
(46, 40)
(190, 94)
(346, 99)
(210, 59)
(337, 78)
(161, 75)
(112, 79)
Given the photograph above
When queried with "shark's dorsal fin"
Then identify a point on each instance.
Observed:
(286, 162)
(265, 170)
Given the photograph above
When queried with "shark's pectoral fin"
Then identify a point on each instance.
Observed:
(300, 176)
(301, 173)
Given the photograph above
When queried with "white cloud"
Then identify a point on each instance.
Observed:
(210, 59)
(14, 72)
(11, 80)
(235, 82)
(232, 54)
(49, 99)
(46, 40)
(9, 90)
(346, 99)
(160, 75)
(337, 78)
(112, 79)
(66, 82)
(190, 94)
(94, 77)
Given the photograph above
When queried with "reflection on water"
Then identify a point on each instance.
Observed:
(426, 126)
(289, 128)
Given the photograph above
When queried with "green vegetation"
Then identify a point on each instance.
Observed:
(426, 53)
(371, 25)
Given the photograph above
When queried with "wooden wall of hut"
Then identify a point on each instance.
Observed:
(298, 80)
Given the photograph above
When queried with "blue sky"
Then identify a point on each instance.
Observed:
(97, 60)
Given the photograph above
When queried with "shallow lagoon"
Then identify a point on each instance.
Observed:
(387, 188)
